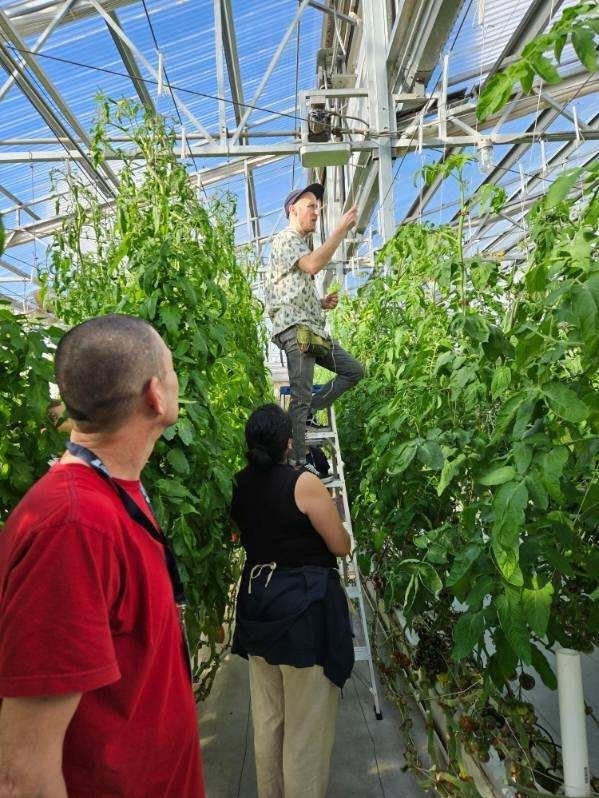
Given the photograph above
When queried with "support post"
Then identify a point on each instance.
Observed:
(382, 114)
(572, 719)
(220, 70)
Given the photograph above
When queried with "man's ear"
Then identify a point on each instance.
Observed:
(154, 397)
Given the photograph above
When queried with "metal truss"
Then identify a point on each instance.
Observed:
(62, 122)
(383, 66)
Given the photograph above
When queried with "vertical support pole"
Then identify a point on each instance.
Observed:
(248, 213)
(160, 86)
(382, 112)
(576, 125)
(220, 70)
(442, 101)
(572, 724)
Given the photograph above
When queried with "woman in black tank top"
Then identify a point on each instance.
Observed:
(292, 620)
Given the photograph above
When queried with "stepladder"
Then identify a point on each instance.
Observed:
(327, 439)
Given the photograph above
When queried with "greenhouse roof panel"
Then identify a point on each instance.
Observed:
(83, 54)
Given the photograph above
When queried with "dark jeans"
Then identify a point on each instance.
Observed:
(300, 366)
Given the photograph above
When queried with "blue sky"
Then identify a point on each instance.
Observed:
(80, 58)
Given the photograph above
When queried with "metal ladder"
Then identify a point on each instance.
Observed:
(328, 439)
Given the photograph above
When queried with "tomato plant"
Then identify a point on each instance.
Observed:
(163, 255)
(578, 24)
(472, 449)
(29, 437)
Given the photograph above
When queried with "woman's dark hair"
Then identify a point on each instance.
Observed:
(267, 431)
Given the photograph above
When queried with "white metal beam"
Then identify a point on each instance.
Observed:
(30, 17)
(38, 44)
(209, 176)
(270, 69)
(43, 107)
(229, 45)
(123, 36)
(128, 60)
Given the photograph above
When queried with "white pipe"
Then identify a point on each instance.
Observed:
(160, 87)
(576, 125)
(572, 718)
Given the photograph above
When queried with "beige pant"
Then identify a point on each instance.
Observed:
(294, 711)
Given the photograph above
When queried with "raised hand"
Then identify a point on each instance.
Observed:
(330, 301)
(349, 219)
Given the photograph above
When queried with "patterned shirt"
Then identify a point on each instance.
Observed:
(291, 296)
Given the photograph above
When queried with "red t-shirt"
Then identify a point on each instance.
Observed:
(86, 605)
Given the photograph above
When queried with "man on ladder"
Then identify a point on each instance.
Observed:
(298, 315)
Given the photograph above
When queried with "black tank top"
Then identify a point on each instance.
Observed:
(272, 527)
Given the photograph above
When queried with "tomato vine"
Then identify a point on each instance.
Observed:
(472, 452)
(162, 254)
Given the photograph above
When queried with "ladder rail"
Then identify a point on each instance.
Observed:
(348, 565)
(354, 564)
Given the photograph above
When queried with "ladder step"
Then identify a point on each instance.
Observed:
(335, 483)
(361, 653)
(320, 435)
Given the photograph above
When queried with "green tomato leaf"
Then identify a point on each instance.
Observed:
(178, 461)
(502, 376)
(497, 476)
(185, 430)
(402, 456)
(545, 68)
(559, 44)
(526, 79)
(583, 42)
(564, 402)
(502, 664)
(171, 318)
(543, 668)
(522, 454)
(561, 187)
(508, 510)
(536, 604)
(450, 469)
(494, 96)
(431, 455)
(511, 617)
(552, 466)
(482, 588)
(172, 488)
(462, 562)
(467, 634)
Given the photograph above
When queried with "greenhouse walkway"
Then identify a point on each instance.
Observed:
(367, 758)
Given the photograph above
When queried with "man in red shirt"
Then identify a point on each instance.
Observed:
(94, 676)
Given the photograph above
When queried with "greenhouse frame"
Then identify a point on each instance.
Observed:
(142, 138)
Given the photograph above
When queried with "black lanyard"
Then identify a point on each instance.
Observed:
(136, 514)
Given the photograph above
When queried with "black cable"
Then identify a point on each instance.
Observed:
(245, 750)
(152, 82)
(170, 88)
(57, 111)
